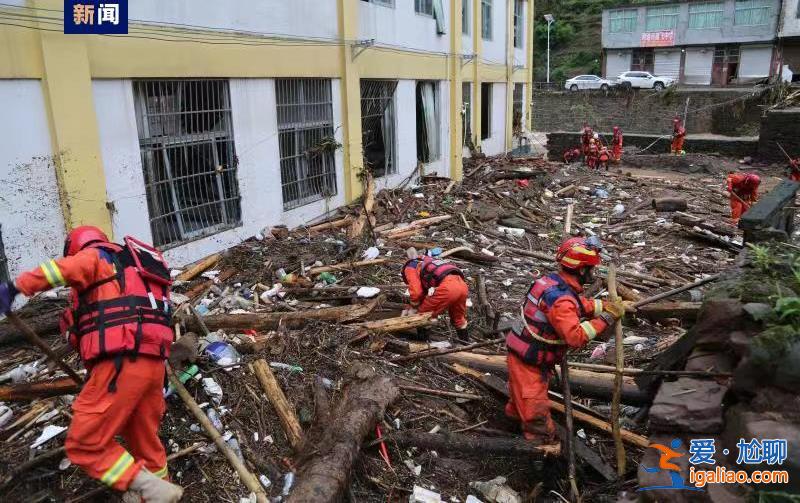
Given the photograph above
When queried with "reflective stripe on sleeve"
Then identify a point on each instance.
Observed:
(112, 475)
(587, 327)
(52, 273)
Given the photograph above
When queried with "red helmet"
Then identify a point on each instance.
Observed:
(575, 253)
(616, 129)
(81, 237)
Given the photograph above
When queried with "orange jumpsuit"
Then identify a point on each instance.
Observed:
(527, 384)
(133, 412)
(451, 295)
(742, 195)
(591, 157)
(616, 146)
(794, 170)
(678, 137)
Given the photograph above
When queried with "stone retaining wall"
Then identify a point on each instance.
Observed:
(728, 146)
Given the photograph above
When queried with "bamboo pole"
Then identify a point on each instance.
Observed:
(250, 481)
(620, 363)
(575, 495)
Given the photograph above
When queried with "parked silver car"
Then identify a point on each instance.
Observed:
(644, 80)
(582, 82)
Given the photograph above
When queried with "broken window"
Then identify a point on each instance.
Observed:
(378, 126)
(306, 140)
(519, 24)
(188, 157)
(519, 100)
(466, 111)
(428, 128)
(3, 259)
(486, 111)
(424, 7)
(486, 19)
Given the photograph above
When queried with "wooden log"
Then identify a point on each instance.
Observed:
(616, 397)
(196, 290)
(478, 258)
(325, 475)
(398, 324)
(460, 444)
(284, 410)
(669, 204)
(335, 224)
(516, 175)
(293, 319)
(415, 225)
(627, 293)
(690, 221)
(565, 190)
(199, 267)
(712, 239)
(483, 300)
(345, 266)
(584, 383)
(675, 291)
(569, 441)
(365, 215)
(250, 481)
(439, 392)
(31, 391)
(684, 311)
(595, 367)
(438, 352)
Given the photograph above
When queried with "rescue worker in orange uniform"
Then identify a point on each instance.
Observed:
(616, 144)
(421, 273)
(555, 317)
(794, 169)
(120, 323)
(571, 155)
(603, 157)
(678, 137)
(743, 188)
(591, 156)
(586, 135)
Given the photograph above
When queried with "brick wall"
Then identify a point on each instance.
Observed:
(729, 113)
(732, 147)
(782, 126)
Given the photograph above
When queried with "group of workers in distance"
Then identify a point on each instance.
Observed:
(595, 152)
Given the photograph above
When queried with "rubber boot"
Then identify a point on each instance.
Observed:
(153, 489)
(462, 334)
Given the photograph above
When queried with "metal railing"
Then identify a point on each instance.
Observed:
(306, 140)
(188, 157)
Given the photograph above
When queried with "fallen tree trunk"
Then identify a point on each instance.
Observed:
(584, 383)
(456, 443)
(291, 320)
(325, 475)
(688, 220)
(669, 204)
(399, 324)
(345, 266)
(365, 216)
(198, 267)
(275, 395)
(684, 311)
(30, 391)
(414, 226)
(335, 224)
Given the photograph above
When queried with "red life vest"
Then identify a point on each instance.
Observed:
(545, 291)
(136, 322)
(604, 155)
(432, 272)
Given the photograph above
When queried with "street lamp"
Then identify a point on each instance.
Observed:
(550, 20)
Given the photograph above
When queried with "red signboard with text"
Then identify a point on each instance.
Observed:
(665, 38)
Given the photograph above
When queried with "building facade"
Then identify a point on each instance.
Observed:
(718, 42)
(789, 40)
(212, 120)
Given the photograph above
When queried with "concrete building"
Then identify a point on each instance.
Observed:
(789, 39)
(716, 43)
(211, 120)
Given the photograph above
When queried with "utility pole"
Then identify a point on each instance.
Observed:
(550, 19)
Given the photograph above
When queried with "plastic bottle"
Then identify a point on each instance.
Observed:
(234, 445)
(327, 277)
(183, 377)
(267, 483)
(213, 416)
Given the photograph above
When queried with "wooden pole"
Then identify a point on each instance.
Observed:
(34, 339)
(575, 496)
(635, 372)
(291, 426)
(620, 363)
(568, 220)
(674, 291)
(250, 481)
(438, 352)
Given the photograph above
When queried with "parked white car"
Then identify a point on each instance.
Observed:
(644, 80)
(582, 82)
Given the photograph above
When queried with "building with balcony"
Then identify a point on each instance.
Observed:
(716, 43)
(212, 120)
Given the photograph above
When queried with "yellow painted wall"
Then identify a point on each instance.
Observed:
(66, 64)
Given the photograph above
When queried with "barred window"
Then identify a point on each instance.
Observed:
(307, 143)
(519, 23)
(378, 125)
(752, 12)
(705, 15)
(519, 100)
(622, 21)
(3, 259)
(424, 7)
(662, 18)
(465, 20)
(486, 19)
(188, 157)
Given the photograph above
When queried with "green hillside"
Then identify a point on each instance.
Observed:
(574, 37)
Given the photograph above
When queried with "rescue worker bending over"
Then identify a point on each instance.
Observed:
(616, 144)
(571, 155)
(603, 157)
(743, 188)
(423, 273)
(119, 320)
(678, 137)
(555, 317)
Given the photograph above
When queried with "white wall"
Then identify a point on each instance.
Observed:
(30, 211)
(298, 18)
(496, 143)
(401, 26)
(255, 130)
(467, 40)
(519, 52)
(494, 50)
(790, 26)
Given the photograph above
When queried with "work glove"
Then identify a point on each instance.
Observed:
(7, 294)
(612, 311)
(408, 311)
(155, 490)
